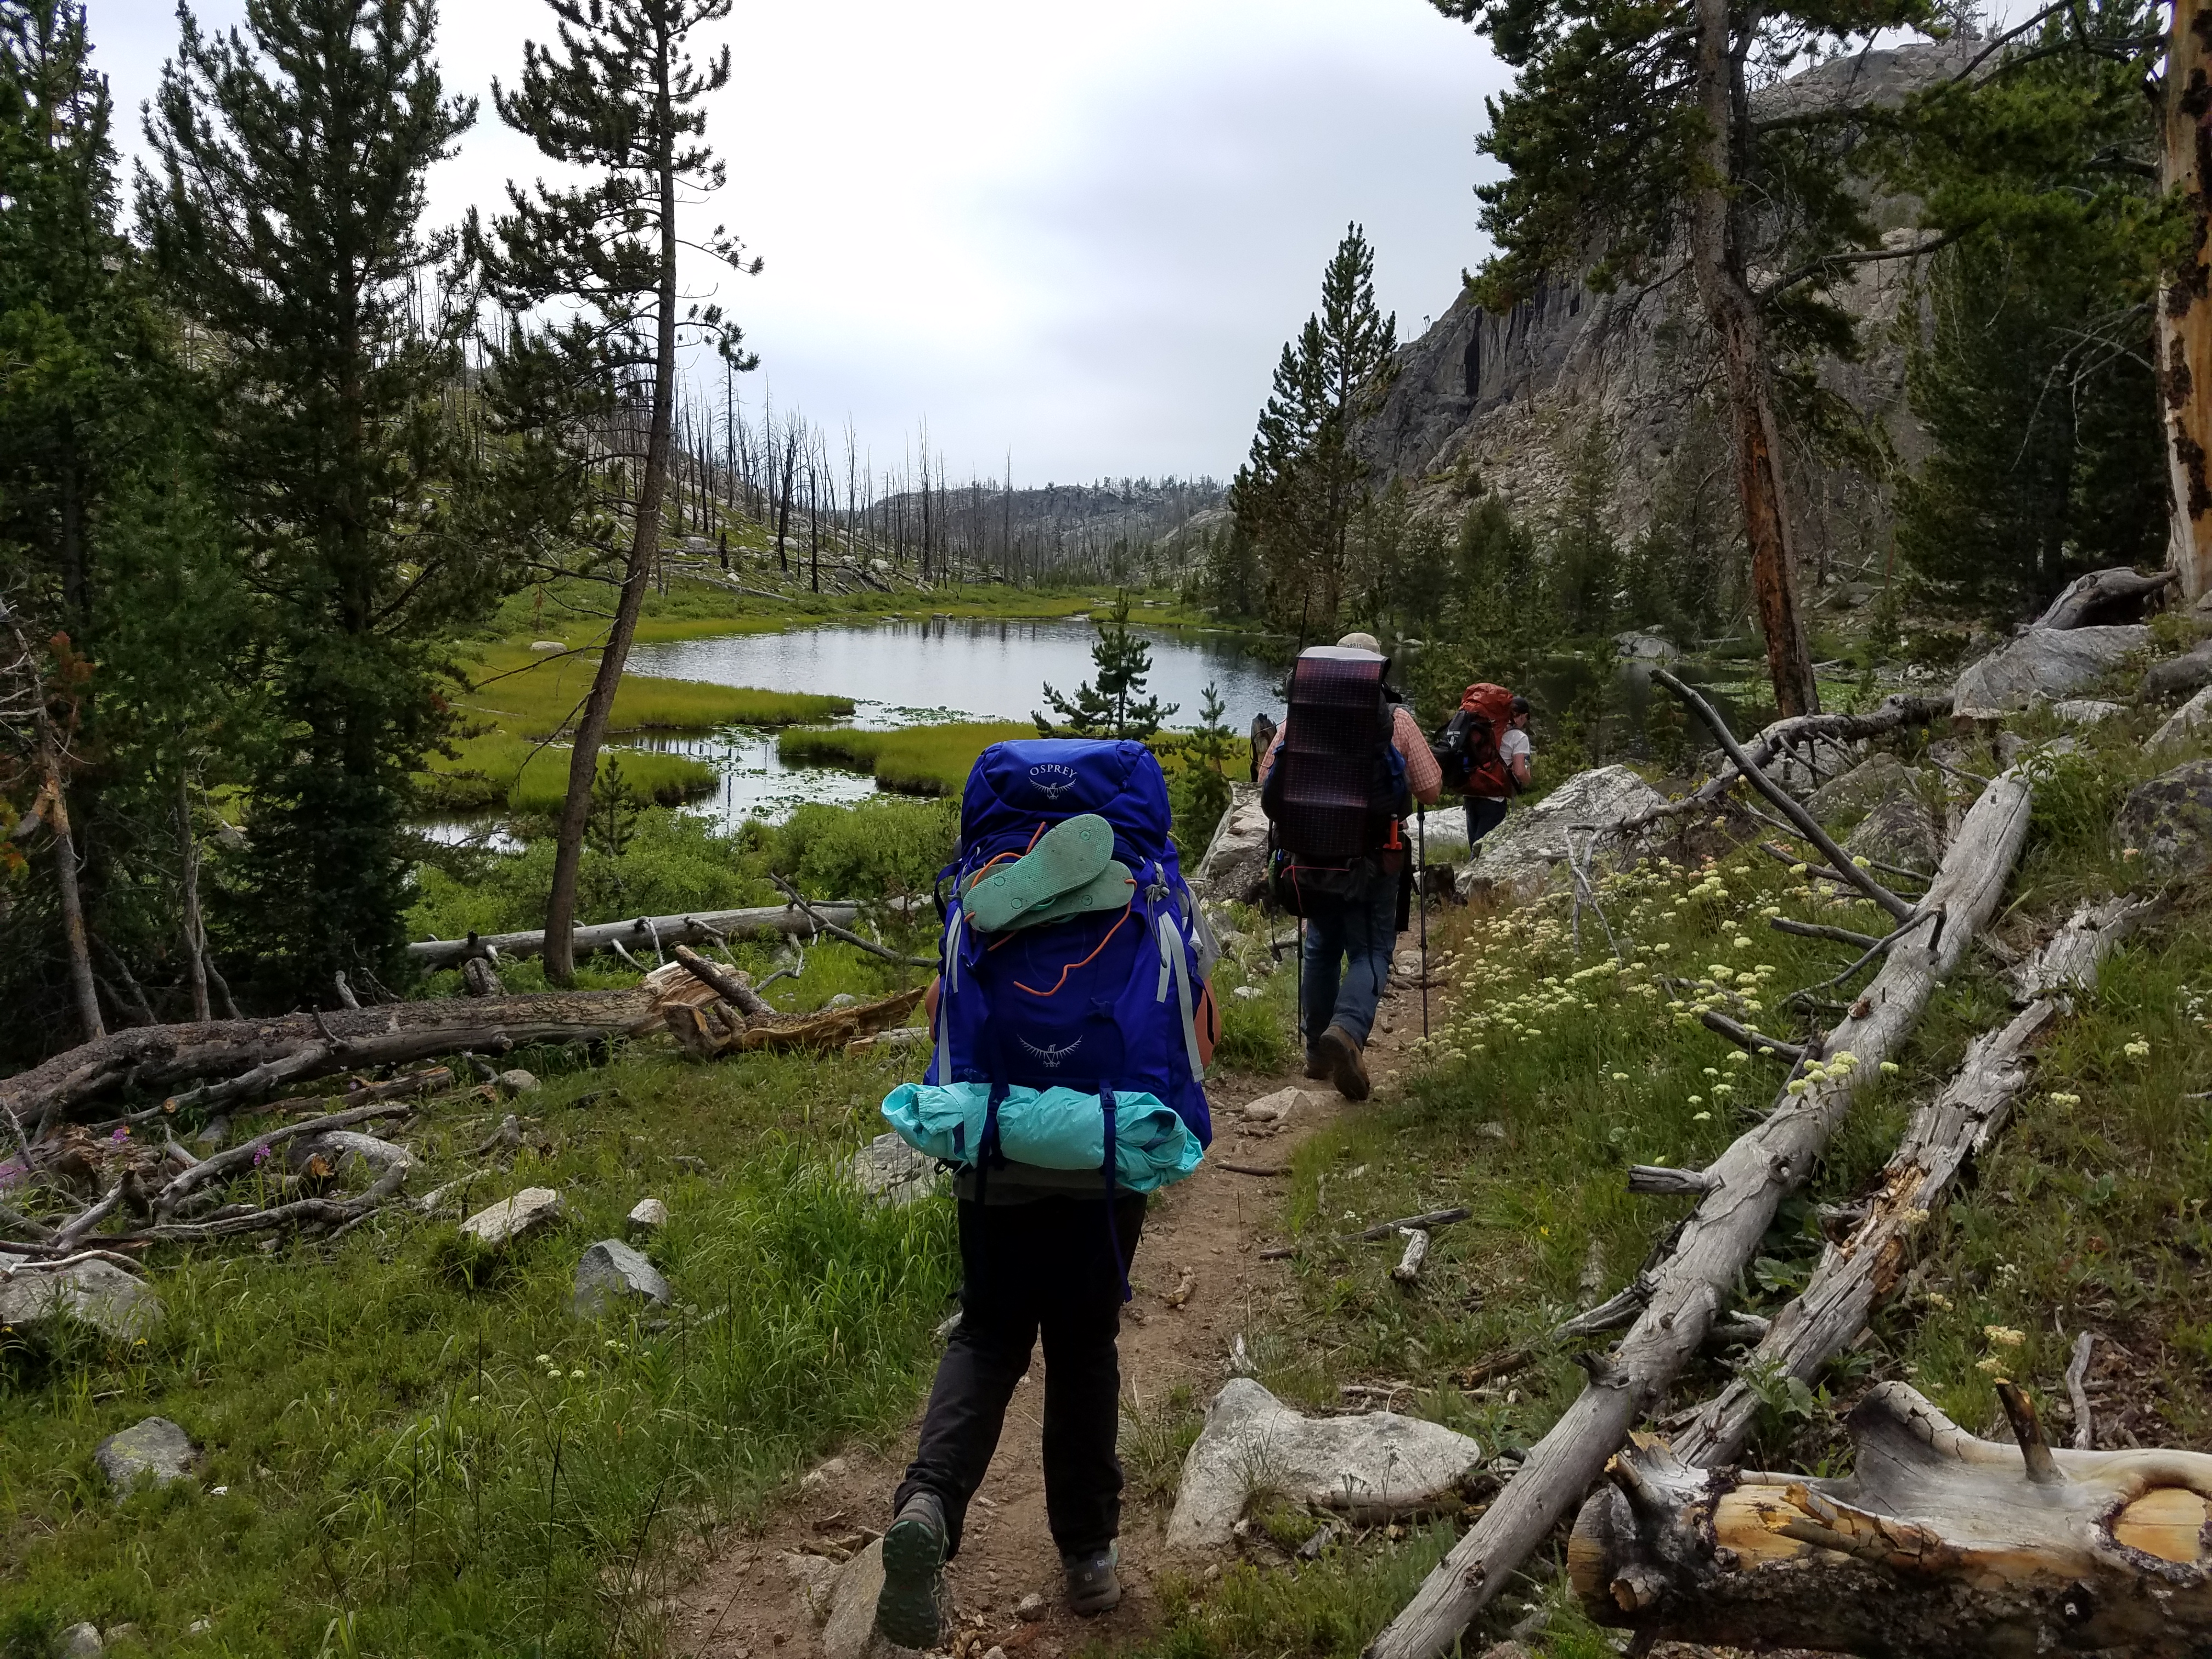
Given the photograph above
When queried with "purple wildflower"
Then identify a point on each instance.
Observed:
(121, 1135)
(259, 1153)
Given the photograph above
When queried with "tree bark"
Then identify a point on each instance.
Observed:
(2103, 596)
(645, 549)
(1940, 1546)
(2185, 321)
(1684, 1294)
(75, 939)
(1716, 264)
(195, 963)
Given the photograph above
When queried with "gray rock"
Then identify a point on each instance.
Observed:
(2177, 677)
(155, 1449)
(843, 1000)
(348, 1153)
(612, 1275)
(118, 1634)
(81, 1642)
(1901, 830)
(1865, 786)
(2168, 821)
(214, 1135)
(1235, 867)
(2045, 662)
(1644, 647)
(518, 1082)
(1807, 767)
(1276, 1107)
(2192, 717)
(95, 1293)
(1516, 859)
(892, 1172)
(647, 1217)
(1030, 1608)
(850, 1632)
(2087, 711)
(815, 1578)
(530, 1211)
(1372, 1467)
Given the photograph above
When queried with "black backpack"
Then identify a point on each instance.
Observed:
(1337, 788)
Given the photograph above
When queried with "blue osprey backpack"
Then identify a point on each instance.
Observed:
(1098, 1003)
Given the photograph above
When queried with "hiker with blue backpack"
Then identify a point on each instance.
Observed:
(1073, 1022)
(1344, 769)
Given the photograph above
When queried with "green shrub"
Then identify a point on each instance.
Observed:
(884, 848)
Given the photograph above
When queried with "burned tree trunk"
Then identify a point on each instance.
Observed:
(1681, 1298)
(1939, 1546)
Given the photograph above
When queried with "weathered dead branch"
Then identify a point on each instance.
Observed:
(639, 931)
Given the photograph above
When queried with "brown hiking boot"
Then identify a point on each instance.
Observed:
(1345, 1068)
(1316, 1064)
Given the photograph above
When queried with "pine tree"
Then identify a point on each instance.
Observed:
(1297, 494)
(1114, 705)
(619, 100)
(286, 221)
(1632, 153)
(1200, 790)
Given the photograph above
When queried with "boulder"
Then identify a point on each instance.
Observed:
(815, 1579)
(1865, 786)
(611, 1276)
(1901, 830)
(2192, 717)
(547, 647)
(1514, 860)
(850, 1632)
(518, 1082)
(647, 1217)
(2168, 821)
(155, 1449)
(530, 1211)
(2045, 662)
(2087, 711)
(2177, 677)
(892, 1172)
(1644, 647)
(79, 1642)
(1276, 1107)
(1372, 1467)
(95, 1293)
(1235, 867)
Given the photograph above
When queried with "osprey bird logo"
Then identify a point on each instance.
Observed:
(1053, 1056)
(1053, 780)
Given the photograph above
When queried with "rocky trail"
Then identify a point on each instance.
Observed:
(1198, 1283)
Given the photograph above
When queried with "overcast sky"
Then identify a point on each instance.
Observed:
(1079, 232)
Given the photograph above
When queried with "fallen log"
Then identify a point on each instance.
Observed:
(732, 987)
(2069, 962)
(1425, 1221)
(1689, 1288)
(298, 1047)
(1855, 1275)
(1939, 1546)
(643, 931)
(2094, 597)
(1893, 714)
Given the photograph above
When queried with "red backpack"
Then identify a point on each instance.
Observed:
(1467, 748)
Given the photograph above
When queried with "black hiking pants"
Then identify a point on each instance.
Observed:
(1048, 1266)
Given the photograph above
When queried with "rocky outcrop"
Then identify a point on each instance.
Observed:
(95, 1293)
(2177, 677)
(2044, 663)
(2168, 822)
(1481, 400)
(1234, 870)
(1372, 1467)
(1516, 860)
(2192, 717)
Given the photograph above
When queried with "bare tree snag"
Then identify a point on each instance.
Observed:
(699, 929)
(1956, 1127)
(2103, 596)
(2185, 318)
(74, 936)
(1689, 1286)
(1940, 1546)
(195, 961)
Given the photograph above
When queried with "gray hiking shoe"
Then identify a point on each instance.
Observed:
(1342, 1051)
(907, 1610)
(1092, 1586)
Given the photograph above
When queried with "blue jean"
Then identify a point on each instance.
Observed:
(1483, 815)
(1348, 945)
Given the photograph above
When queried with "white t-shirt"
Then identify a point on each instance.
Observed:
(1512, 744)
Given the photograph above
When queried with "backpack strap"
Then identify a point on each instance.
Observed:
(1113, 1231)
(954, 926)
(1175, 966)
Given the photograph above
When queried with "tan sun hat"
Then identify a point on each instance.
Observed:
(1360, 642)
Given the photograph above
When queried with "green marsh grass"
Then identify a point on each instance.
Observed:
(915, 760)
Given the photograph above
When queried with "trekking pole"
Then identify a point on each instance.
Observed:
(1421, 904)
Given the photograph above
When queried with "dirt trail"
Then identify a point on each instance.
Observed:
(744, 1602)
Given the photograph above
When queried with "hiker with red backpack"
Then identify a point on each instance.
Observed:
(1344, 769)
(1073, 1023)
(1484, 753)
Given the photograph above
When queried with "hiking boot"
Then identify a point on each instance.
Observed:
(913, 1574)
(1092, 1586)
(1316, 1064)
(1345, 1068)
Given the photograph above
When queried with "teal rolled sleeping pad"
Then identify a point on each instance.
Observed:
(1047, 1130)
